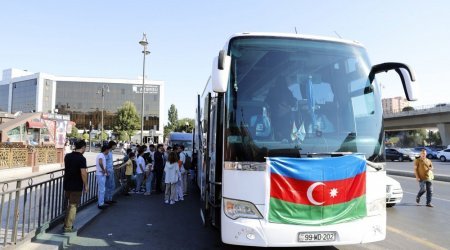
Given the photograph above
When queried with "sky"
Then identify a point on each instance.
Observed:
(101, 38)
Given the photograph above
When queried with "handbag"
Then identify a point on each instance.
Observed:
(430, 175)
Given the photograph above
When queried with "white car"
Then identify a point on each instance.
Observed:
(394, 192)
(444, 155)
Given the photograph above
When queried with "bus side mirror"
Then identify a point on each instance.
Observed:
(407, 76)
(221, 72)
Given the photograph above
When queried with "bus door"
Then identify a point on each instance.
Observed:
(215, 165)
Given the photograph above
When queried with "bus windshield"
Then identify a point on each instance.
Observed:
(300, 97)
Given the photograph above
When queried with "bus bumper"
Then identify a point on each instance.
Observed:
(253, 232)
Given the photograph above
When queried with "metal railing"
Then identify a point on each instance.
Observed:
(38, 202)
(435, 108)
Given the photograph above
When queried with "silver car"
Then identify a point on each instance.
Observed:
(394, 192)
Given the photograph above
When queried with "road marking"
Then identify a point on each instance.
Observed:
(434, 197)
(416, 239)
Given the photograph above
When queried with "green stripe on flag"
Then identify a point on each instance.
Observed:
(290, 213)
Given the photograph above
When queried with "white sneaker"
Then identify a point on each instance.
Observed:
(146, 193)
(166, 201)
(172, 202)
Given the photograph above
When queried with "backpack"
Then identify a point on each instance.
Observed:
(147, 158)
(187, 162)
(134, 167)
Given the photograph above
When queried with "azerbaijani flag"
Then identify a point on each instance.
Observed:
(317, 191)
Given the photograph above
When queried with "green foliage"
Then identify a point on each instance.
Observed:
(175, 125)
(123, 136)
(104, 136)
(185, 124)
(74, 133)
(167, 131)
(407, 138)
(173, 116)
(434, 138)
(393, 141)
(85, 136)
(408, 108)
(127, 120)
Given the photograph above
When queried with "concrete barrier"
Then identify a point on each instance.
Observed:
(437, 177)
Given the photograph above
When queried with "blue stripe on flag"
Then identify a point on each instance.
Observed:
(318, 169)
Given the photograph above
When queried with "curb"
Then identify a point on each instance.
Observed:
(441, 177)
(55, 238)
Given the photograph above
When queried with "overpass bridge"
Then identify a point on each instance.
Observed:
(428, 117)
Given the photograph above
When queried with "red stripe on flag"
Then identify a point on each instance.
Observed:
(295, 191)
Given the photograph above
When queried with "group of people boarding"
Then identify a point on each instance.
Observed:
(158, 169)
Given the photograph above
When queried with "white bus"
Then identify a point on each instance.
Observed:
(289, 139)
(181, 138)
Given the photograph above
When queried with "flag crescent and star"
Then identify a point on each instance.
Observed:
(317, 191)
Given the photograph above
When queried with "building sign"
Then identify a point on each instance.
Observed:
(152, 89)
(56, 116)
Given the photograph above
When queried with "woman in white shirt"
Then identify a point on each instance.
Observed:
(171, 178)
(101, 173)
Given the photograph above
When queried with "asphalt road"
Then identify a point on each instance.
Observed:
(439, 167)
(145, 222)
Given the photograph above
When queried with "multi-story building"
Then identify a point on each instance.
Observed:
(82, 99)
(394, 104)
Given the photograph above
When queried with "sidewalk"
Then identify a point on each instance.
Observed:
(137, 222)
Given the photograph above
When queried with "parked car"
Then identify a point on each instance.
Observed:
(400, 154)
(411, 151)
(394, 192)
(431, 153)
(444, 155)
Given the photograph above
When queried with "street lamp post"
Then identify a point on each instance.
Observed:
(90, 131)
(102, 90)
(144, 43)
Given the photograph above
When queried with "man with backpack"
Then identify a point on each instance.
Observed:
(187, 163)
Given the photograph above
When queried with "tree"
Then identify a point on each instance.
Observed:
(173, 116)
(127, 120)
(184, 125)
(103, 136)
(123, 136)
(85, 136)
(434, 138)
(408, 108)
(74, 133)
(167, 131)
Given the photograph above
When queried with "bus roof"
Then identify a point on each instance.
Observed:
(291, 35)
(180, 136)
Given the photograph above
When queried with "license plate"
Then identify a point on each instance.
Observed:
(317, 236)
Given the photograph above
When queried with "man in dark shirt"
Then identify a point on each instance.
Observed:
(159, 167)
(281, 101)
(75, 181)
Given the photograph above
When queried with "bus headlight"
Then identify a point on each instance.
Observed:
(376, 207)
(240, 209)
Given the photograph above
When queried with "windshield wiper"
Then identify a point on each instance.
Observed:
(331, 154)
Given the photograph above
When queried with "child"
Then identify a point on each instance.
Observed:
(140, 170)
(171, 178)
(128, 171)
(149, 178)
